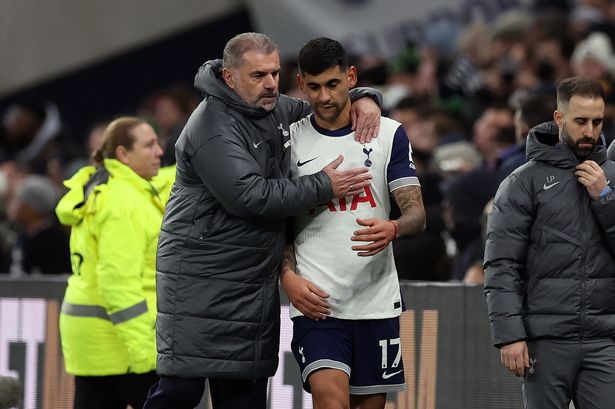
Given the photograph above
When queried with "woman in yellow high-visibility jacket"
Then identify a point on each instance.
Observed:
(108, 315)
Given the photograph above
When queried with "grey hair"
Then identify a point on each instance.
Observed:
(242, 43)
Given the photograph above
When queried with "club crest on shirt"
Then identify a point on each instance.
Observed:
(367, 162)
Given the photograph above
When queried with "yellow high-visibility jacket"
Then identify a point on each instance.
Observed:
(107, 321)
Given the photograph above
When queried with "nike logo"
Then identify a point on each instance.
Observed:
(386, 375)
(299, 163)
(256, 144)
(547, 187)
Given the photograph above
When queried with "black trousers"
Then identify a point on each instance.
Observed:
(114, 391)
(564, 371)
(178, 393)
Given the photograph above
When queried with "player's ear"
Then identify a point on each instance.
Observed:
(352, 76)
(300, 81)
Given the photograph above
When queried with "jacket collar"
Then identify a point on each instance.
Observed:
(118, 170)
(543, 145)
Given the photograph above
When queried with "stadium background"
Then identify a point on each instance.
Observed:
(100, 58)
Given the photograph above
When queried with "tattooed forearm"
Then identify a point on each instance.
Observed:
(410, 202)
(289, 262)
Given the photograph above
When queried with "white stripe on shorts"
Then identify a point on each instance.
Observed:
(324, 363)
(370, 390)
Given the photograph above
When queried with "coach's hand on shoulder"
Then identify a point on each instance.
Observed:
(378, 232)
(515, 357)
(305, 296)
(347, 182)
(365, 119)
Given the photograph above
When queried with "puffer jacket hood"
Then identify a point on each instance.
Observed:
(209, 81)
(543, 145)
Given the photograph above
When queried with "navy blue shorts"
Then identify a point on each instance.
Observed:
(369, 351)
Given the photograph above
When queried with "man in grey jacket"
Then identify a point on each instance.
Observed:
(222, 235)
(549, 259)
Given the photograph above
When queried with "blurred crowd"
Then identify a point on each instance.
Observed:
(35, 159)
(466, 95)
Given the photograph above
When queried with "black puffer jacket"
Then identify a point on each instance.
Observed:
(549, 256)
(222, 234)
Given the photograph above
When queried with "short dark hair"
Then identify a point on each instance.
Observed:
(320, 54)
(578, 86)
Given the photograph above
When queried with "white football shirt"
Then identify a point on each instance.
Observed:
(358, 287)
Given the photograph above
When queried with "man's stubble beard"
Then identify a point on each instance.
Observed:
(574, 145)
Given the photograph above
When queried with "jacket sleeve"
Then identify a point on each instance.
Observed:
(299, 109)
(121, 257)
(233, 176)
(360, 92)
(506, 248)
(604, 211)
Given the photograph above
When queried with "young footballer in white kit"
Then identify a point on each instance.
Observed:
(340, 274)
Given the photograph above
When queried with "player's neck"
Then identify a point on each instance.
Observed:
(333, 124)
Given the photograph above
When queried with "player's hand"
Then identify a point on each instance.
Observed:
(365, 119)
(347, 182)
(591, 175)
(515, 357)
(378, 232)
(305, 296)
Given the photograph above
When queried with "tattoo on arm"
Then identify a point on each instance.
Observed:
(410, 202)
(289, 262)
